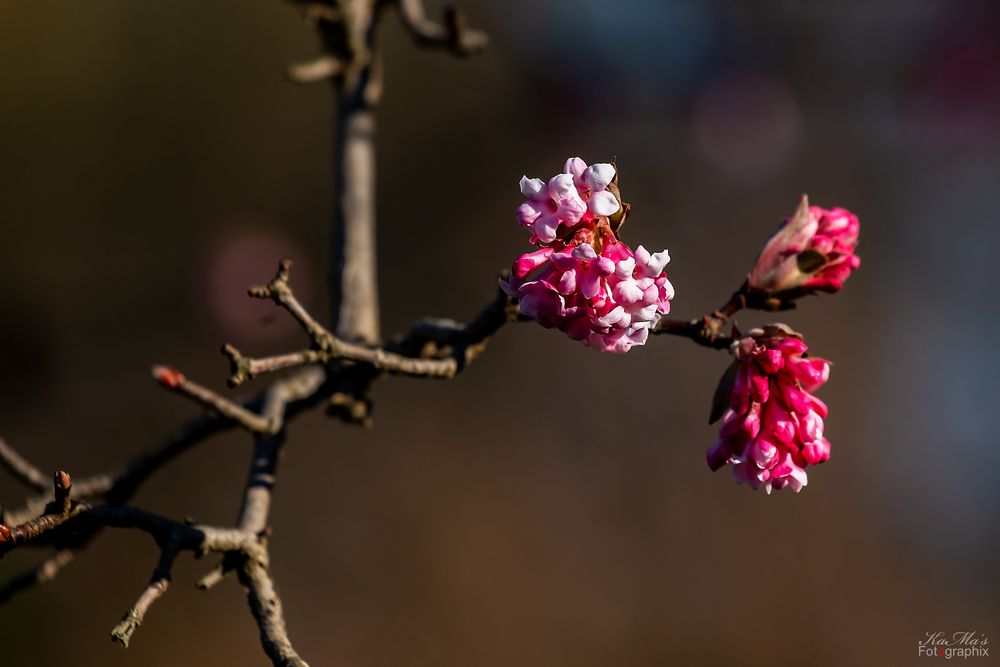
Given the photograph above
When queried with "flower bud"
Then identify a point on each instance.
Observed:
(171, 378)
(813, 251)
(773, 426)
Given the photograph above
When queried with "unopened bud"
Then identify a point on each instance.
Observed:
(813, 251)
(171, 378)
(62, 480)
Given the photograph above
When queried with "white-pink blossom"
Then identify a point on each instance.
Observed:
(570, 198)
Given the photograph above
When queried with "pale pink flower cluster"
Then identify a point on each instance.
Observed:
(584, 280)
(811, 251)
(773, 427)
(579, 191)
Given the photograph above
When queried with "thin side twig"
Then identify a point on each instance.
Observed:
(175, 381)
(453, 34)
(318, 69)
(42, 573)
(158, 584)
(20, 469)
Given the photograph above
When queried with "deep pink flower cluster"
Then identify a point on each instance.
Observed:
(773, 427)
(812, 251)
(584, 280)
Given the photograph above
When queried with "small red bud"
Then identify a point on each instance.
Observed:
(4, 533)
(62, 480)
(171, 378)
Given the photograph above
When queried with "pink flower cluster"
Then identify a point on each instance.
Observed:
(773, 427)
(812, 251)
(584, 280)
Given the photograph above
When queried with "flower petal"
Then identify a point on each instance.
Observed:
(598, 176)
(528, 212)
(584, 252)
(576, 167)
(545, 227)
(534, 188)
(625, 268)
(627, 292)
(603, 203)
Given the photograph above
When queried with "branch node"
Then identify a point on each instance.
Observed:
(240, 367)
(122, 633)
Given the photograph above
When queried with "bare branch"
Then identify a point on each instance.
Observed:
(175, 381)
(453, 34)
(247, 368)
(315, 11)
(53, 527)
(266, 607)
(452, 347)
(279, 290)
(55, 514)
(707, 331)
(213, 578)
(173, 537)
(343, 361)
(42, 573)
(21, 469)
(256, 504)
(319, 69)
(158, 584)
(118, 486)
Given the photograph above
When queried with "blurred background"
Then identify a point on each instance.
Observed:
(552, 505)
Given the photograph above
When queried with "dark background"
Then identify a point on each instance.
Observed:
(552, 505)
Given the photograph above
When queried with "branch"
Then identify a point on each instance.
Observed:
(265, 605)
(279, 290)
(453, 35)
(116, 487)
(431, 349)
(21, 469)
(42, 573)
(60, 523)
(173, 537)
(318, 69)
(158, 584)
(707, 330)
(55, 514)
(262, 596)
(700, 331)
(175, 381)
